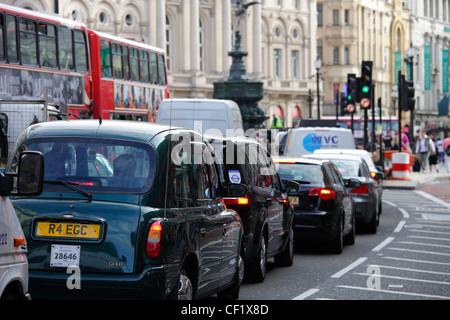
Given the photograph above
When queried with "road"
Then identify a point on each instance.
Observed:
(408, 258)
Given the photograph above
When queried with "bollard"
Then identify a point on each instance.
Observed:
(400, 166)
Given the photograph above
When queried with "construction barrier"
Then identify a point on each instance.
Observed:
(401, 162)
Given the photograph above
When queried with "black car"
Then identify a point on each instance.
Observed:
(136, 207)
(367, 195)
(265, 211)
(324, 208)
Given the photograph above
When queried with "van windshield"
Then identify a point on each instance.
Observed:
(100, 165)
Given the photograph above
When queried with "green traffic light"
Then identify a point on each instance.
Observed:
(365, 89)
(349, 97)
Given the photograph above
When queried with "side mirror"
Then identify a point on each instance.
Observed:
(30, 176)
(291, 186)
(353, 183)
(379, 176)
(236, 190)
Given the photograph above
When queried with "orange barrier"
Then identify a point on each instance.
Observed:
(401, 163)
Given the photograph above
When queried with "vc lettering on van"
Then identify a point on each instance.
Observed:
(313, 141)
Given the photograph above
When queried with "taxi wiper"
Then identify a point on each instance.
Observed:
(71, 186)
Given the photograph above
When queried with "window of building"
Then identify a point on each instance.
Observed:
(319, 15)
(346, 56)
(168, 44)
(277, 62)
(335, 17)
(336, 56)
(346, 17)
(294, 62)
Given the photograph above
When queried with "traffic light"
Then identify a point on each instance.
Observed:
(407, 95)
(344, 102)
(352, 88)
(366, 79)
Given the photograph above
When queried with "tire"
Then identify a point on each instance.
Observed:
(185, 290)
(337, 243)
(373, 224)
(257, 270)
(286, 258)
(232, 293)
(350, 238)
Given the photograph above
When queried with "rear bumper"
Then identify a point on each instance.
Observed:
(315, 225)
(155, 282)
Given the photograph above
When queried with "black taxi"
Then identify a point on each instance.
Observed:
(129, 210)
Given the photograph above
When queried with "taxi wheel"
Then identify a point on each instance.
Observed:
(185, 286)
(286, 258)
(257, 270)
(337, 243)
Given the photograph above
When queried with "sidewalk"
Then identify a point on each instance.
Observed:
(417, 178)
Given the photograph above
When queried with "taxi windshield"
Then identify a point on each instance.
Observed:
(100, 165)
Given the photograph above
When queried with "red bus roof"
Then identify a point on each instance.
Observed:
(44, 16)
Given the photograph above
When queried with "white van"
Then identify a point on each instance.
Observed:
(201, 115)
(305, 140)
(13, 247)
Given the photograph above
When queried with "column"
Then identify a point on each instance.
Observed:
(161, 24)
(226, 35)
(195, 36)
(257, 52)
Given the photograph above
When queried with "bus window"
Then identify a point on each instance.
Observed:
(105, 54)
(47, 45)
(28, 45)
(81, 60)
(162, 70)
(153, 68)
(144, 66)
(117, 60)
(11, 29)
(134, 63)
(65, 48)
(126, 63)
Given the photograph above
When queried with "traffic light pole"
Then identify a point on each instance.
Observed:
(400, 88)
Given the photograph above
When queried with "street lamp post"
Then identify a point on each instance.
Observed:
(318, 65)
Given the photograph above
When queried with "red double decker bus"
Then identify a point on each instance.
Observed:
(87, 74)
(39, 51)
(129, 78)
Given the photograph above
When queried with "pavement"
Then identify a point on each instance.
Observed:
(416, 179)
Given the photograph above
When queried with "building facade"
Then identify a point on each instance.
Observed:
(431, 41)
(283, 39)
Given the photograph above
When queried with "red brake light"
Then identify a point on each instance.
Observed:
(362, 190)
(373, 174)
(241, 201)
(154, 240)
(322, 193)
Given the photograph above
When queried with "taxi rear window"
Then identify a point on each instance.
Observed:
(100, 165)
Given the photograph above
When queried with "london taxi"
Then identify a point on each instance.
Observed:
(13, 246)
(128, 211)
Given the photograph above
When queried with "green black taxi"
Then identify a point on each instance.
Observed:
(129, 210)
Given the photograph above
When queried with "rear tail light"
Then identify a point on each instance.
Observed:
(322, 193)
(362, 191)
(154, 240)
(241, 201)
(373, 174)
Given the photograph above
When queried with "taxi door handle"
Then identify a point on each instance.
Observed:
(203, 232)
(224, 230)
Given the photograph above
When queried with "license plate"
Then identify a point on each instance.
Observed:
(65, 256)
(68, 230)
(294, 200)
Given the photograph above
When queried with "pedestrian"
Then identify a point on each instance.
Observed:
(405, 140)
(277, 123)
(446, 147)
(387, 140)
(433, 158)
(423, 148)
(441, 151)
